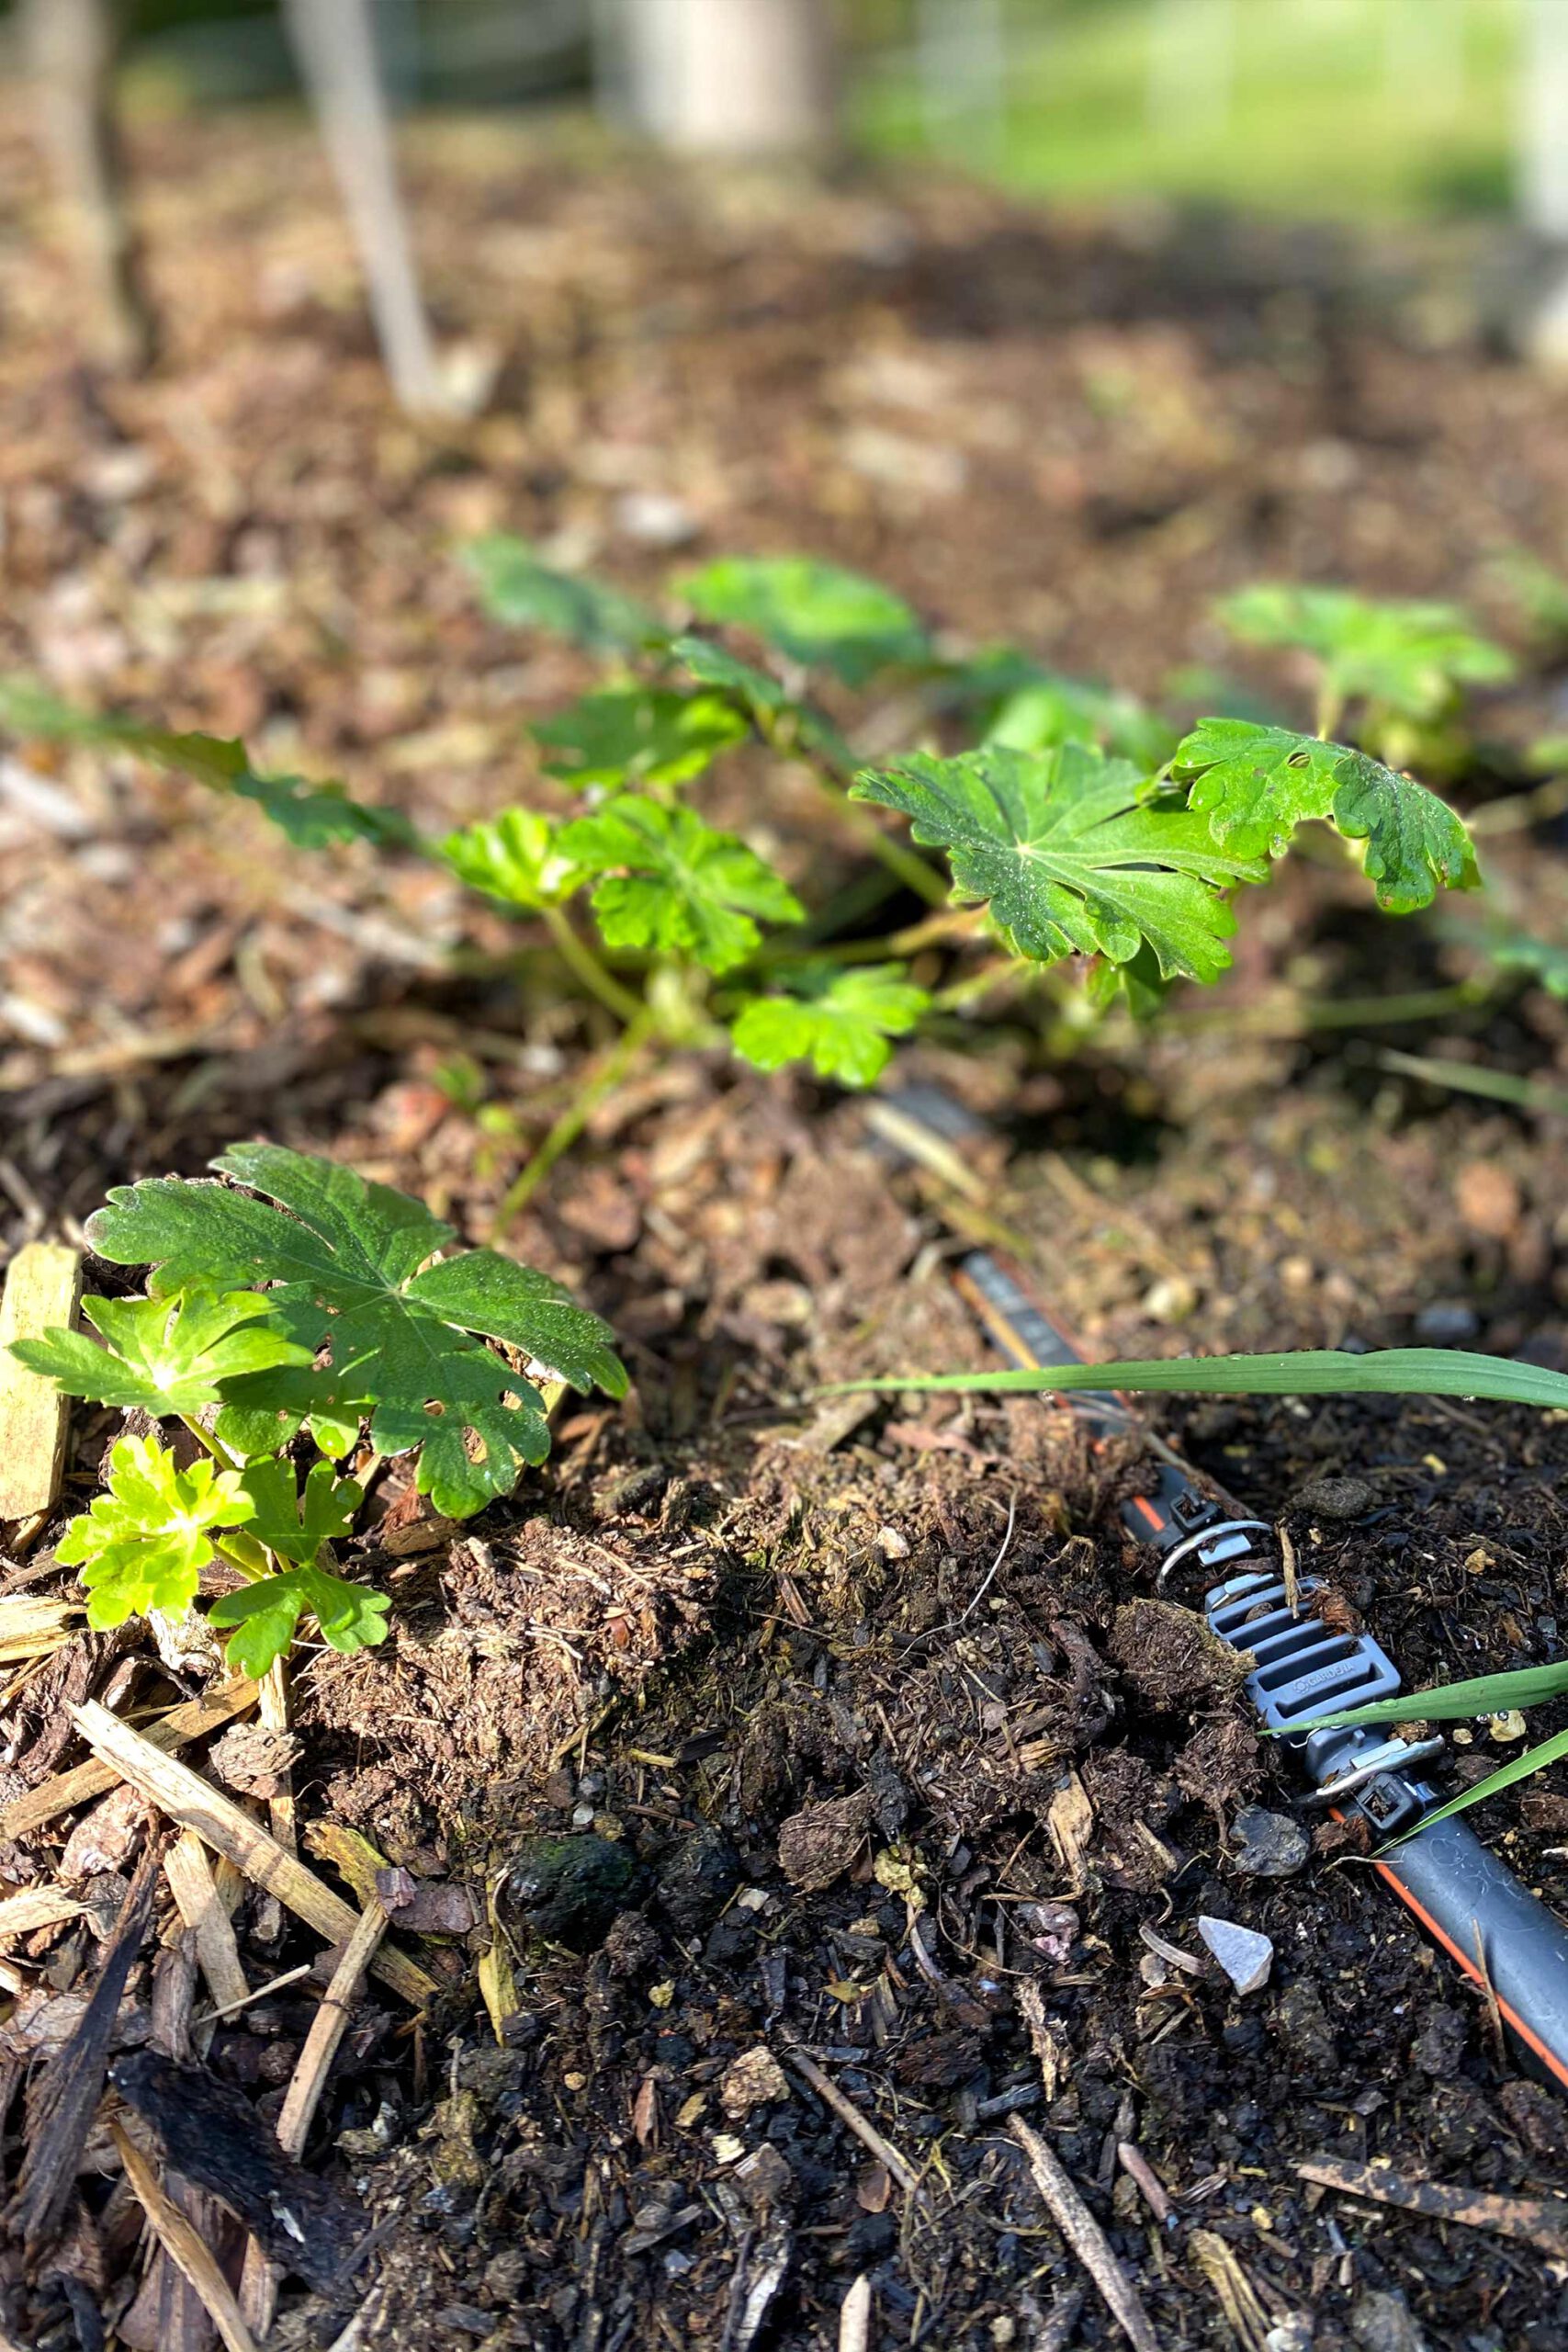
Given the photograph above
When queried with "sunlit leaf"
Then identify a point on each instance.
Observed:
(839, 1018)
(515, 586)
(147, 1538)
(816, 614)
(668, 881)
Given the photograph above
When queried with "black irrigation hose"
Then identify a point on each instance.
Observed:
(1510, 1946)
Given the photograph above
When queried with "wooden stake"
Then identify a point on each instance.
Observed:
(41, 1289)
(186, 1798)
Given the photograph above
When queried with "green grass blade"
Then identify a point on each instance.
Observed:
(1519, 1768)
(1307, 1371)
(1486, 1694)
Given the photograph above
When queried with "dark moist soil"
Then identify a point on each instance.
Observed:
(857, 1716)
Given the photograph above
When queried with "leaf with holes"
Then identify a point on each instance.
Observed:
(1072, 860)
(669, 881)
(816, 614)
(346, 1267)
(514, 857)
(515, 586)
(641, 735)
(839, 1019)
(264, 1616)
(312, 815)
(1256, 785)
(145, 1541)
(165, 1355)
(1410, 658)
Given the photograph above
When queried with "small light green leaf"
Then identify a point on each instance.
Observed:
(1256, 784)
(294, 1524)
(672, 882)
(264, 1615)
(839, 1019)
(313, 816)
(341, 1262)
(1071, 859)
(145, 1541)
(1545, 960)
(764, 703)
(166, 1355)
(641, 735)
(816, 614)
(514, 857)
(515, 586)
(1032, 709)
(1410, 658)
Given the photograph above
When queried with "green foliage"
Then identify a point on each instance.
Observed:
(1307, 1371)
(294, 1523)
(144, 1544)
(1032, 709)
(815, 614)
(1256, 785)
(166, 1355)
(313, 816)
(514, 857)
(839, 1018)
(264, 1615)
(641, 735)
(1069, 857)
(515, 586)
(669, 882)
(1409, 658)
(1544, 961)
(351, 1275)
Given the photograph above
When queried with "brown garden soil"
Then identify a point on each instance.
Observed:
(870, 1703)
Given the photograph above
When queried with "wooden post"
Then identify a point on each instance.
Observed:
(40, 1292)
(731, 77)
(73, 48)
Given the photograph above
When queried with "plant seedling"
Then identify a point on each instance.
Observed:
(311, 1299)
(1406, 662)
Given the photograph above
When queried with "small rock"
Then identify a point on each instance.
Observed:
(1446, 1324)
(1245, 1955)
(753, 2079)
(891, 1544)
(569, 1889)
(1383, 2323)
(655, 518)
(1170, 1300)
(698, 1879)
(1505, 1727)
(1271, 1845)
(1488, 1199)
(1335, 1498)
(819, 1844)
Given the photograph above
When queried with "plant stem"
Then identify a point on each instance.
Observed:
(580, 960)
(572, 1120)
(204, 1438)
(950, 923)
(830, 780)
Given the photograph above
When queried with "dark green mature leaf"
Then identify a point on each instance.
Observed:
(1072, 861)
(312, 815)
(643, 735)
(1307, 1371)
(1409, 657)
(839, 1018)
(344, 1271)
(164, 1355)
(145, 1541)
(264, 1615)
(1256, 785)
(514, 857)
(669, 881)
(816, 614)
(294, 1523)
(515, 586)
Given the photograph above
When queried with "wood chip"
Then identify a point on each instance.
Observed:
(854, 2317)
(1541, 2221)
(31, 1625)
(186, 1798)
(41, 1289)
(182, 2245)
(197, 1899)
(64, 1792)
(37, 1907)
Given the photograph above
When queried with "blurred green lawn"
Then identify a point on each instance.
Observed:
(1345, 108)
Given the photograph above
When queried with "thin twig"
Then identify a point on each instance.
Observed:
(1086, 2238)
(848, 2114)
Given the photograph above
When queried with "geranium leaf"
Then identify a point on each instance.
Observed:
(1070, 858)
(147, 1538)
(515, 586)
(816, 614)
(294, 1523)
(264, 1616)
(341, 1261)
(1409, 657)
(1256, 784)
(513, 858)
(839, 1019)
(166, 1355)
(641, 735)
(669, 881)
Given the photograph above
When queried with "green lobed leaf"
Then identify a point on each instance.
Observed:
(344, 1263)
(1256, 785)
(1033, 708)
(313, 816)
(641, 735)
(514, 857)
(1544, 960)
(146, 1540)
(765, 704)
(166, 1355)
(1071, 858)
(265, 1615)
(515, 586)
(816, 614)
(1307, 1371)
(1409, 657)
(295, 1523)
(839, 1018)
(670, 882)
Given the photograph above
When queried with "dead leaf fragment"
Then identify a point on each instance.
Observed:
(819, 1843)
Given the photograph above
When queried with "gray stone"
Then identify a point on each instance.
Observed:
(1269, 1845)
